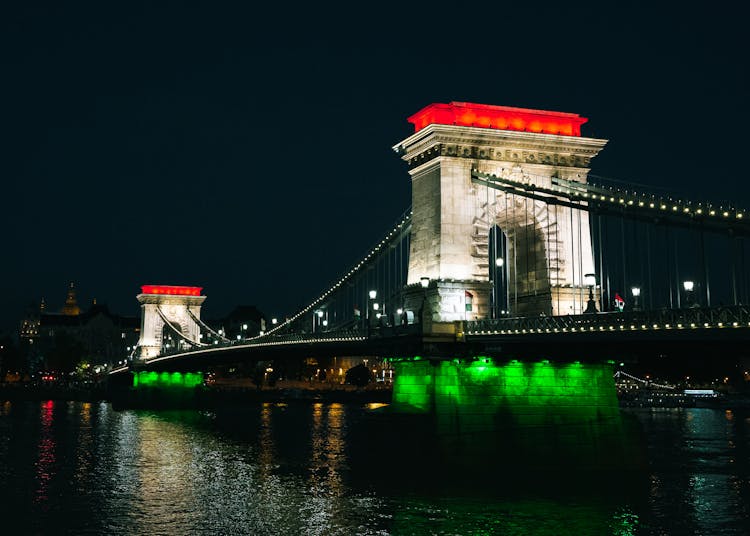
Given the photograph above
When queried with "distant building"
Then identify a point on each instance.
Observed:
(99, 336)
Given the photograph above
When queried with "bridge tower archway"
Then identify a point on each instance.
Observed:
(549, 247)
(179, 306)
(173, 335)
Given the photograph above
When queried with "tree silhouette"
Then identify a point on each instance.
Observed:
(358, 375)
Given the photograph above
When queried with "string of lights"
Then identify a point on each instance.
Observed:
(393, 236)
(645, 382)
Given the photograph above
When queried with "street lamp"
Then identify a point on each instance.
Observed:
(636, 291)
(369, 316)
(590, 281)
(688, 286)
(319, 314)
(499, 262)
(424, 281)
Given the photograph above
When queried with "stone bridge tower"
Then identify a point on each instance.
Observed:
(180, 306)
(549, 251)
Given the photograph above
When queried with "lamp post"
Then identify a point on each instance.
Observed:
(636, 291)
(499, 262)
(424, 282)
(370, 305)
(243, 328)
(688, 286)
(590, 281)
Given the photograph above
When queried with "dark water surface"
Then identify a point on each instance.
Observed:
(81, 468)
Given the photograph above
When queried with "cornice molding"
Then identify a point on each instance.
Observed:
(498, 145)
(165, 299)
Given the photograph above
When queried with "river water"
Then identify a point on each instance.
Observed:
(83, 468)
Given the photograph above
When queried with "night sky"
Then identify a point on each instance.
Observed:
(249, 152)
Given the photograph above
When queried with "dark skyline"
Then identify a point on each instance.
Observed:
(250, 152)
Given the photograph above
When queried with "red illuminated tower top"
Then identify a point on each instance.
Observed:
(171, 290)
(500, 117)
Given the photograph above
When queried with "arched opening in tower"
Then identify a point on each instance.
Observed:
(170, 341)
(521, 267)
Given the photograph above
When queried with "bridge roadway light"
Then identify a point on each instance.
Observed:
(636, 291)
(590, 281)
(688, 286)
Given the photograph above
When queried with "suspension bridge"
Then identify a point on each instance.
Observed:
(514, 271)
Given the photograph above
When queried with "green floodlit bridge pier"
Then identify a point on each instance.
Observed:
(509, 291)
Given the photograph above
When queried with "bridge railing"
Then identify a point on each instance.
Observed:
(340, 335)
(273, 340)
(734, 316)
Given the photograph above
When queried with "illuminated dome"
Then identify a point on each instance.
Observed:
(71, 307)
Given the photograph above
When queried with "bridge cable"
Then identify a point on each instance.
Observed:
(398, 233)
(175, 330)
(649, 270)
(572, 260)
(647, 382)
(557, 257)
(581, 279)
(206, 327)
(631, 205)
